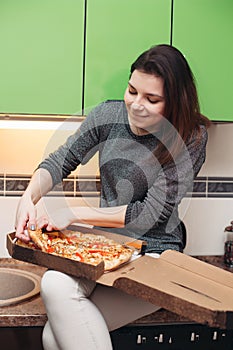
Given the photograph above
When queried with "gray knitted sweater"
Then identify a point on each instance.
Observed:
(131, 175)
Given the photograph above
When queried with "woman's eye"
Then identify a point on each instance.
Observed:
(132, 92)
(153, 101)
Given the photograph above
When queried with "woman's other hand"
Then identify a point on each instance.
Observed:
(58, 220)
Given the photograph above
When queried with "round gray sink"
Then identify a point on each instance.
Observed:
(17, 285)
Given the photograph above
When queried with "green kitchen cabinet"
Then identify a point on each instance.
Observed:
(203, 32)
(41, 56)
(117, 32)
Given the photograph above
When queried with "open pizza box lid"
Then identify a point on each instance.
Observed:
(174, 281)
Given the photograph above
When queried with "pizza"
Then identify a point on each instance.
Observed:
(88, 248)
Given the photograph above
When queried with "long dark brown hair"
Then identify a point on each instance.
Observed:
(182, 108)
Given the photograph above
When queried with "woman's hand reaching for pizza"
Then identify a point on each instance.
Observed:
(25, 217)
(40, 184)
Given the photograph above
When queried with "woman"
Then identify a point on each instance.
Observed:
(151, 146)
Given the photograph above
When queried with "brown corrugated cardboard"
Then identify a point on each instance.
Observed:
(179, 283)
(65, 265)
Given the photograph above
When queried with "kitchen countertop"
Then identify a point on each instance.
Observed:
(32, 312)
(29, 312)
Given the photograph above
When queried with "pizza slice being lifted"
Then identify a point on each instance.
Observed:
(84, 247)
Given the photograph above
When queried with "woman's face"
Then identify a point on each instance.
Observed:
(145, 102)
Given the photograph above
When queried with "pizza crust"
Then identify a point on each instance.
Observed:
(36, 237)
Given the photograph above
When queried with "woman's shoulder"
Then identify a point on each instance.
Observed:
(198, 138)
(105, 114)
(203, 131)
(199, 132)
(109, 105)
(110, 109)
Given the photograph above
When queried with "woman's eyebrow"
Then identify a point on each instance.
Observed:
(149, 94)
(131, 85)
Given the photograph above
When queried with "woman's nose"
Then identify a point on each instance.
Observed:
(137, 106)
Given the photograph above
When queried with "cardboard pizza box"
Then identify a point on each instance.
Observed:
(179, 283)
(71, 267)
(36, 256)
(175, 281)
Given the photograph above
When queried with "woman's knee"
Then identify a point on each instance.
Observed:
(57, 285)
(53, 284)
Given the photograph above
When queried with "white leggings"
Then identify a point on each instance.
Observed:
(81, 313)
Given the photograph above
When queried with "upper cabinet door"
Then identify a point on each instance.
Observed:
(117, 32)
(41, 56)
(203, 32)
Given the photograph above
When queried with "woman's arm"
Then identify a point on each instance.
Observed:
(106, 217)
(78, 148)
(40, 185)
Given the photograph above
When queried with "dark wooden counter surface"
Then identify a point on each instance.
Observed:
(32, 312)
